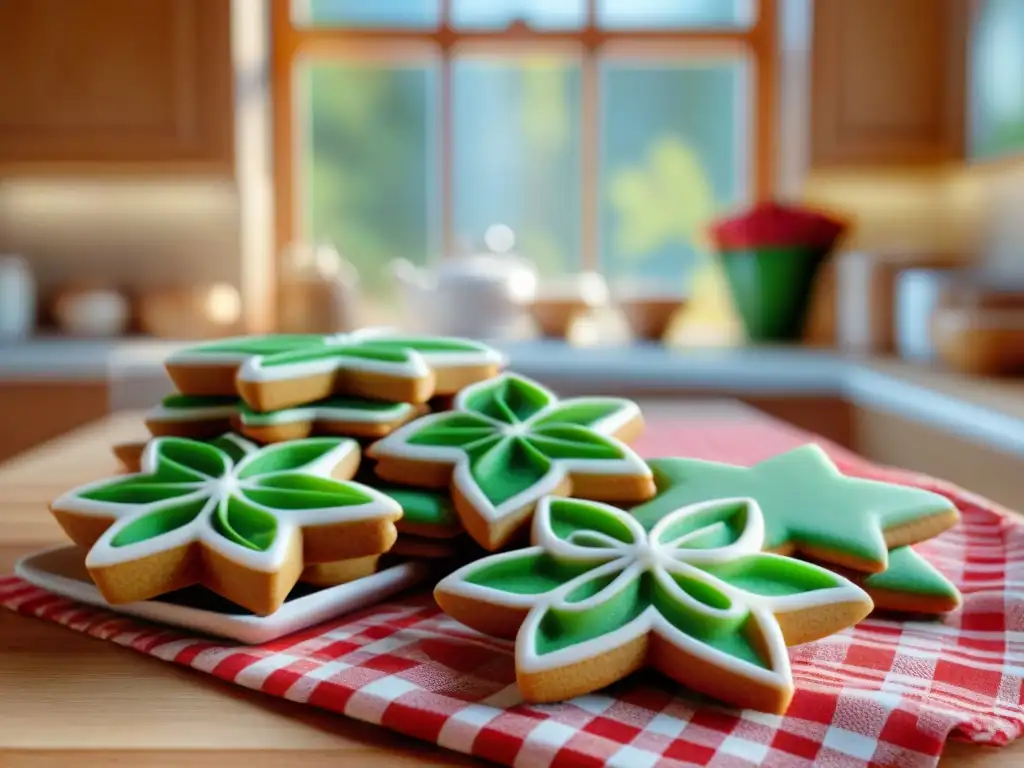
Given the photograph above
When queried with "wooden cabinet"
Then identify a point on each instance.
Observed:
(110, 83)
(35, 411)
(888, 81)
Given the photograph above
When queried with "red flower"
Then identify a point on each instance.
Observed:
(776, 225)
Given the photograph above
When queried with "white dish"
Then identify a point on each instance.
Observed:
(62, 572)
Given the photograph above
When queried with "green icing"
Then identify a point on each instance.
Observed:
(255, 345)
(383, 349)
(527, 572)
(246, 485)
(510, 399)
(159, 522)
(504, 465)
(909, 572)
(559, 628)
(245, 524)
(771, 575)
(579, 523)
(183, 402)
(804, 499)
(507, 467)
(355, 351)
(584, 413)
(285, 457)
(327, 404)
(428, 345)
(420, 506)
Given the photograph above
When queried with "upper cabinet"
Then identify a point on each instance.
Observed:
(997, 79)
(888, 81)
(115, 84)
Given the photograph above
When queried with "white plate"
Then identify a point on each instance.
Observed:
(62, 572)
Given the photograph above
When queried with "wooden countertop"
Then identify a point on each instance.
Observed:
(65, 696)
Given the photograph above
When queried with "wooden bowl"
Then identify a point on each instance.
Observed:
(555, 316)
(650, 317)
(980, 342)
(200, 312)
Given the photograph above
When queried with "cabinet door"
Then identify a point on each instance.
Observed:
(888, 81)
(104, 83)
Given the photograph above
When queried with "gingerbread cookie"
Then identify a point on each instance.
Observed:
(239, 519)
(342, 416)
(910, 584)
(199, 418)
(809, 506)
(340, 571)
(271, 373)
(597, 597)
(508, 442)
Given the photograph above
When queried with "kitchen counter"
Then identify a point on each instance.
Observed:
(987, 411)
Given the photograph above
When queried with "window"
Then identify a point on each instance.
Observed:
(605, 133)
(997, 79)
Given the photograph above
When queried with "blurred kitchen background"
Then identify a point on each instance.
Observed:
(540, 173)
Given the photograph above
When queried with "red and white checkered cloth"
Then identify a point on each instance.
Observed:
(883, 693)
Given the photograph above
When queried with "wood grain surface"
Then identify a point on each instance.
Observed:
(69, 699)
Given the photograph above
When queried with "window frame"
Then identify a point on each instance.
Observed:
(290, 44)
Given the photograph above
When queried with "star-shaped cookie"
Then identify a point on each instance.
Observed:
(808, 505)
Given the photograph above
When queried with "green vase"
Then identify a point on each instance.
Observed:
(771, 289)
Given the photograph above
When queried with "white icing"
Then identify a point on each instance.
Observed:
(397, 445)
(328, 412)
(629, 560)
(216, 491)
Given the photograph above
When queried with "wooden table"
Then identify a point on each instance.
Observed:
(64, 695)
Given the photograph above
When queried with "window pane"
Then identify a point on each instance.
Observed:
(369, 168)
(674, 152)
(398, 14)
(658, 14)
(498, 14)
(516, 154)
(997, 99)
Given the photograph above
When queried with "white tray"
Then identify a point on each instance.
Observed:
(62, 572)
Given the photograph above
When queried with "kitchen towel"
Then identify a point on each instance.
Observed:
(885, 692)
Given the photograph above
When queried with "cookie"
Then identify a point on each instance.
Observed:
(130, 454)
(200, 418)
(340, 571)
(910, 584)
(272, 372)
(342, 416)
(809, 506)
(240, 520)
(597, 597)
(509, 441)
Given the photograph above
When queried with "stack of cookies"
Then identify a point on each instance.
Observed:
(309, 458)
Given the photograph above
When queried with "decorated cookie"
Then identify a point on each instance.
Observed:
(809, 506)
(239, 519)
(199, 418)
(275, 372)
(597, 597)
(342, 416)
(130, 454)
(909, 584)
(340, 571)
(508, 442)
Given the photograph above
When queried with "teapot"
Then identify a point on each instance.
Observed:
(479, 295)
